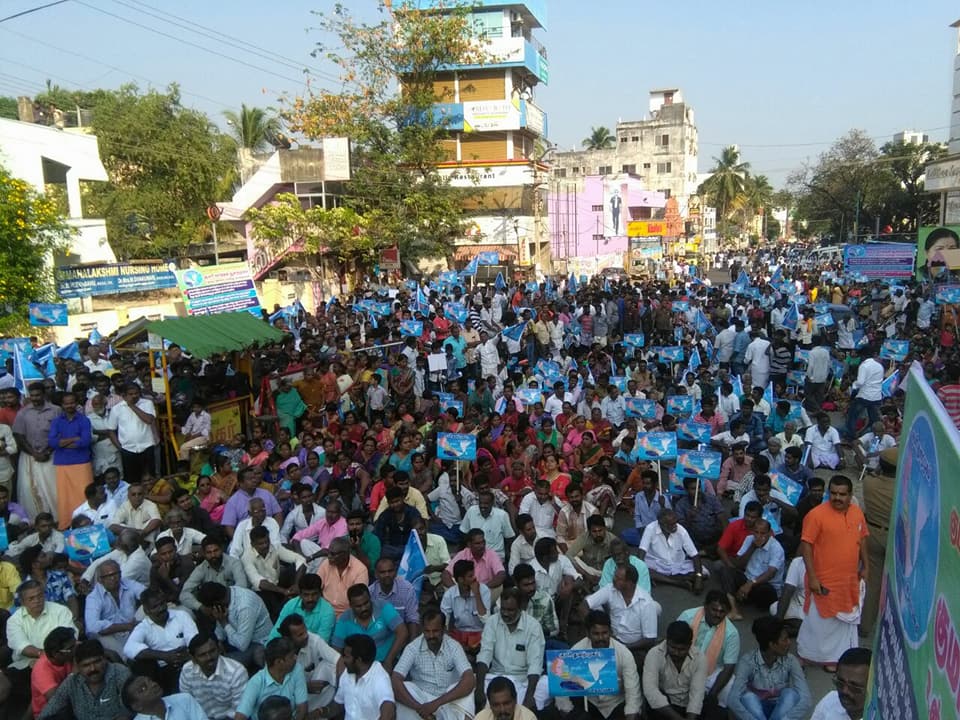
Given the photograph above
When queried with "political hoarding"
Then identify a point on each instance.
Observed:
(875, 261)
(704, 463)
(915, 671)
(48, 314)
(219, 289)
(932, 245)
(456, 446)
(656, 446)
(641, 408)
(578, 673)
(895, 350)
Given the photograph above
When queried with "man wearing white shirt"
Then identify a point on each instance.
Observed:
(316, 657)
(196, 430)
(542, 507)
(633, 612)
(258, 517)
(96, 363)
(554, 573)
(851, 681)
(159, 643)
(96, 506)
(133, 561)
(365, 691)
(824, 441)
(668, 550)
(756, 576)
(521, 550)
(135, 422)
(614, 408)
(494, 522)
(869, 392)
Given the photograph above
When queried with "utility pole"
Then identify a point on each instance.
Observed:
(214, 212)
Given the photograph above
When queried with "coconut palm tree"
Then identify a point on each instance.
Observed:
(756, 198)
(253, 128)
(600, 139)
(727, 180)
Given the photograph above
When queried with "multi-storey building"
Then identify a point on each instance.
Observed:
(660, 151)
(497, 133)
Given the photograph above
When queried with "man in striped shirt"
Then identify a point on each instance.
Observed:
(215, 681)
(949, 393)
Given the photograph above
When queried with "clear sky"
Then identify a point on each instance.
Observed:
(782, 80)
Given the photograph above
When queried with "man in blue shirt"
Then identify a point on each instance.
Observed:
(753, 425)
(144, 696)
(110, 611)
(71, 437)
(237, 507)
(757, 573)
(383, 624)
(282, 676)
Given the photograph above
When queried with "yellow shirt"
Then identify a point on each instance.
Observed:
(414, 499)
(9, 582)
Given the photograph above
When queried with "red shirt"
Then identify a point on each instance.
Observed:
(950, 397)
(7, 416)
(45, 677)
(733, 536)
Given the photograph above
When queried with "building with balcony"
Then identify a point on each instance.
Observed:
(660, 151)
(498, 134)
(47, 156)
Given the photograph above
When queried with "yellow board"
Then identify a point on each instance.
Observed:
(646, 228)
(225, 423)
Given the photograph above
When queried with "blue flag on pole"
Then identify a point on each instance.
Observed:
(792, 318)
(500, 283)
(889, 386)
(44, 358)
(695, 361)
(777, 276)
(24, 371)
(70, 351)
(471, 268)
(572, 284)
(743, 279)
(413, 563)
(514, 332)
(703, 324)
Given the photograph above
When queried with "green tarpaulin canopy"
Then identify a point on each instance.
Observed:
(205, 335)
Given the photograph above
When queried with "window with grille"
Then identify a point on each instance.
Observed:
(605, 170)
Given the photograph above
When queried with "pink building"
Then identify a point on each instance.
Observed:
(589, 218)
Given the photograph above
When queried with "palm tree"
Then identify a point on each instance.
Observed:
(756, 198)
(727, 180)
(600, 139)
(253, 128)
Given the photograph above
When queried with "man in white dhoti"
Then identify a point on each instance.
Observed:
(37, 477)
(441, 681)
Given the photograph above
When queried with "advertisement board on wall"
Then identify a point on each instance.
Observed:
(219, 289)
(490, 115)
(75, 281)
(615, 194)
(646, 228)
(879, 260)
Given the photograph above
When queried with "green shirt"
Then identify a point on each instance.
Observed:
(319, 621)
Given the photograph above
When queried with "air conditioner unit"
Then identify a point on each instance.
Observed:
(515, 17)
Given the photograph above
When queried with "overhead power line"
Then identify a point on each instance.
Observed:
(32, 10)
(189, 43)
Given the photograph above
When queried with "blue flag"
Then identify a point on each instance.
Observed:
(889, 386)
(777, 276)
(95, 337)
(695, 361)
(743, 279)
(44, 358)
(24, 371)
(330, 302)
(514, 332)
(423, 300)
(500, 283)
(791, 318)
(69, 352)
(572, 284)
(737, 383)
(413, 563)
(471, 268)
(606, 284)
(702, 323)
(768, 394)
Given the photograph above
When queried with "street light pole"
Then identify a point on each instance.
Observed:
(214, 212)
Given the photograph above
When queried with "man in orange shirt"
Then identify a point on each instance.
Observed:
(341, 571)
(52, 667)
(834, 550)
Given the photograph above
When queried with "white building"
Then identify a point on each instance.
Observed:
(45, 155)
(911, 137)
(660, 149)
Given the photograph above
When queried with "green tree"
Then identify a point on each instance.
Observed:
(726, 184)
(396, 137)
(8, 108)
(166, 163)
(600, 138)
(909, 207)
(30, 230)
(253, 128)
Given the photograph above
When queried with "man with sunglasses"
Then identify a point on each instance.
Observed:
(846, 702)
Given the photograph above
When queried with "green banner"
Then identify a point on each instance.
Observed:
(916, 662)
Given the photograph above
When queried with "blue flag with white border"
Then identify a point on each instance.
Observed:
(413, 563)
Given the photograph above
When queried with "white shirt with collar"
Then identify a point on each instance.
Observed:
(549, 579)
(147, 635)
(241, 535)
(869, 383)
(630, 622)
(362, 696)
(668, 554)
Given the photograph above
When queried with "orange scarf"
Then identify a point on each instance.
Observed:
(712, 654)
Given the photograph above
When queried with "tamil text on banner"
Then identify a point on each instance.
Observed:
(916, 658)
(225, 422)
(456, 446)
(74, 281)
(219, 289)
(879, 260)
(48, 314)
(577, 673)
